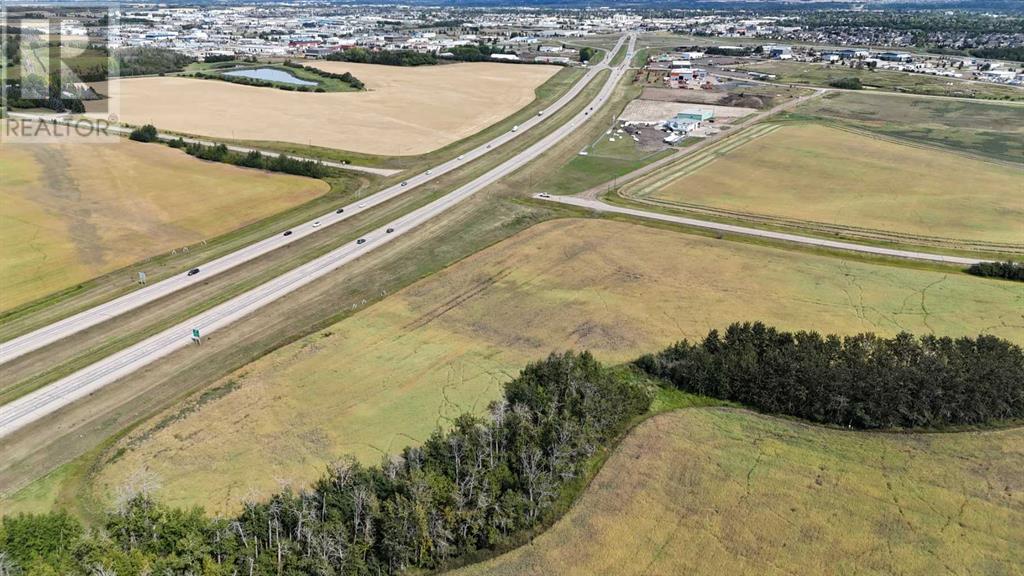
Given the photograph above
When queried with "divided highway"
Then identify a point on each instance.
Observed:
(73, 324)
(44, 401)
(795, 238)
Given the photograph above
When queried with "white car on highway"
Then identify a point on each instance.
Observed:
(316, 224)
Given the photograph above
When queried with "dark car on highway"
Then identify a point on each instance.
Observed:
(390, 230)
(361, 240)
(287, 233)
(339, 210)
(193, 272)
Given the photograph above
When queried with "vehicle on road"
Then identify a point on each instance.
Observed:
(361, 240)
(429, 172)
(193, 272)
(389, 230)
(287, 233)
(339, 210)
(460, 157)
(316, 224)
(515, 128)
(405, 183)
(541, 113)
(544, 195)
(362, 205)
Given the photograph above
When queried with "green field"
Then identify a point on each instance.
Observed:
(817, 74)
(982, 128)
(818, 174)
(72, 212)
(722, 491)
(388, 375)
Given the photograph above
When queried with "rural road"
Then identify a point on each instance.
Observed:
(68, 121)
(600, 206)
(46, 400)
(51, 333)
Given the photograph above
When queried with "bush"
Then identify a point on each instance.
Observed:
(1008, 270)
(851, 83)
(862, 381)
(146, 133)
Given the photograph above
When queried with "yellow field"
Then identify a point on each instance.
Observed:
(815, 173)
(387, 376)
(407, 110)
(714, 491)
(72, 212)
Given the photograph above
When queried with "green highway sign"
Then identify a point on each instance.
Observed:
(195, 333)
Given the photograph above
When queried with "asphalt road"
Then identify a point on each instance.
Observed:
(600, 206)
(73, 324)
(48, 399)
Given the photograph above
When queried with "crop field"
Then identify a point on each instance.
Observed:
(72, 212)
(983, 128)
(891, 80)
(387, 376)
(406, 111)
(814, 173)
(720, 491)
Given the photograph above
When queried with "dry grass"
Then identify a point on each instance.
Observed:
(73, 212)
(387, 376)
(407, 111)
(814, 173)
(717, 491)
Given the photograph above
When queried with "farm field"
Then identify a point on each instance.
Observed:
(983, 128)
(72, 212)
(405, 111)
(815, 173)
(387, 376)
(721, 491)
(892, 80)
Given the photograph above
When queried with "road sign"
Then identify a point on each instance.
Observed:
(195, 333)
(142, 277)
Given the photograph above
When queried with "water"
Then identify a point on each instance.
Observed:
(271, 75)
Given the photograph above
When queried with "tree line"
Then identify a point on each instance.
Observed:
(1008, 270)
(863, 381)
(384, 57)
(346, 77)
(476, 486)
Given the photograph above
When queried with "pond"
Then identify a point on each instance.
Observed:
(270, 75)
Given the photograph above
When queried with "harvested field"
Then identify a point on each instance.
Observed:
(718, 491)
(406, 110)
(71, 212)
(651, 111)
(987, 129)
(387, 376)
(814, 173)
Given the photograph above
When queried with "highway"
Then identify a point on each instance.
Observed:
(46, 400)
(51, 333)
(600, 206)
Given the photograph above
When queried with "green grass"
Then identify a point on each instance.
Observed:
(722, 491)
(817, 74)
(981, 128)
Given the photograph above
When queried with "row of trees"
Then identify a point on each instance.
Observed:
(385, 57)
(252, 159)
(346, 77)
(862, 381)
(1008, 270)
(471, 488)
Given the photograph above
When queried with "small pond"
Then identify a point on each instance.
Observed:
(270, 75)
